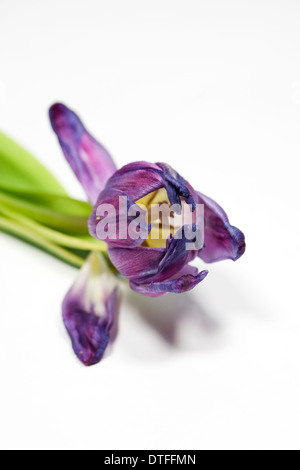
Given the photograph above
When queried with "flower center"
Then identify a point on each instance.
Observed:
(164, 222)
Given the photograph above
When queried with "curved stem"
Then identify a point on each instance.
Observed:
(42, 214)
(53, 235)
(13, 228)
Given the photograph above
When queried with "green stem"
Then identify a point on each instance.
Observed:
(54, 236)
(61, 221)
(13, 228)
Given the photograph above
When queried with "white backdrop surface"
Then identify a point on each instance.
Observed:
(213, 88)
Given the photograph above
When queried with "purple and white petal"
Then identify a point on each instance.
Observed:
(90, 310)
(89, 160)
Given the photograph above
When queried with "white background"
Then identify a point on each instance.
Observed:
(212, 87)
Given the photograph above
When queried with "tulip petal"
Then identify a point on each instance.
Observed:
(90, 310)
(137, 180)
(121, 205)
(176, 286)
(176, 252)
(221, 240)
(177, 187)
(142, 263)
(89, 160)
(136, 263)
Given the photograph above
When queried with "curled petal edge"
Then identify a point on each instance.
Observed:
(183, 284)
(222, 241)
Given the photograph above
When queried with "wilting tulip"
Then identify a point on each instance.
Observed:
(90, 310)
(154, 265)
(161, 264)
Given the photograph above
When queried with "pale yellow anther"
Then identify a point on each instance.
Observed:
(162, 227)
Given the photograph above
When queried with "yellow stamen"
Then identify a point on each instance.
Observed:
(162, 227)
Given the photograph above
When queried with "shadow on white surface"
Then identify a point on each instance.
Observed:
(196, 321)
(175, 318)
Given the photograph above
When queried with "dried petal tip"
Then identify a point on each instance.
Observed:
(90, 310)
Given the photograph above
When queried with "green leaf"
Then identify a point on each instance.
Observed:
(19, 169)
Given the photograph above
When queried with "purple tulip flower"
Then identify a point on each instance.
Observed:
(152, 270)
(154, 266)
